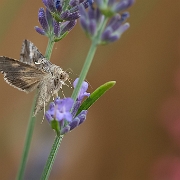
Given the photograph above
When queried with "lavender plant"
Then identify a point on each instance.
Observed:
(103, 21)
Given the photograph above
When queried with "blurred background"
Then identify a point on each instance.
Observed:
(133, 131)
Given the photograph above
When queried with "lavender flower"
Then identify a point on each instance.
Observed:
(62, 112)
(91, 20)
(111, 7)
(43, 21)
(115, 28)
(65, 12)
(53, 29)
(83, 90)
(82, 94)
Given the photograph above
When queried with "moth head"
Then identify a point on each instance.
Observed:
(64, 76)
(60, 76)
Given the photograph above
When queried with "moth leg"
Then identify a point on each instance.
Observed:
(69, 80)
(52, 95)
(44, 112)
(63, 93)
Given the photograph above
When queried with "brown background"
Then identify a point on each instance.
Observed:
(124, 134)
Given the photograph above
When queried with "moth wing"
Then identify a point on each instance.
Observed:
(20, 75)
(32, 56)
(29, 53)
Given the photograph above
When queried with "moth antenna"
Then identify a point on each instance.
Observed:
(69, 80)
(69, 72)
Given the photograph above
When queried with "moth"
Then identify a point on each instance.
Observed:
(33, 71)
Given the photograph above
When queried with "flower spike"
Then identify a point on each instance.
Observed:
(61, 115)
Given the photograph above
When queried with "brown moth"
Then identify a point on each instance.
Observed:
(33, 71)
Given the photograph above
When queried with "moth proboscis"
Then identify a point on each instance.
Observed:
(33, 71)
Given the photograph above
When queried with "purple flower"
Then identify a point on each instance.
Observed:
(39, 30)
(79, 119)
(61, 111)
(89, 20)
(56, 28)
(83, 90)
(62, 12)
(51, 27)
(115, 28)
(122, 5)
(58, 5)
(45, 20)
(111, 7)
(50, 5)
(67, 26)
(59, 18)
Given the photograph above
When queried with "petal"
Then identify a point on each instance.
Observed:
(75, 108)
(83, 89)
(65, 130)
(68, 116)
(75, 82)
(92, 28)
(51, 5)
(48, 116)
(42, 19)
(82, 116)
(73, 16)
(82, 11)
(49, 18)
(123, 28)
(58, 5)
(84, 23)
(58, 116)
(51, 106)
(39, 30)
(68, 26)
(68, 102)
(73, 3)
(65, 14)
(56, 28)
(74, 124)
(122, 5)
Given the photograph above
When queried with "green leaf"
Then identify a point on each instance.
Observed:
(55, 126)
(95, 96)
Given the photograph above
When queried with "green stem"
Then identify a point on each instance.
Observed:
(31, 124)
(51, 158)
(85, 69)
(27, 143)
(49, 49)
